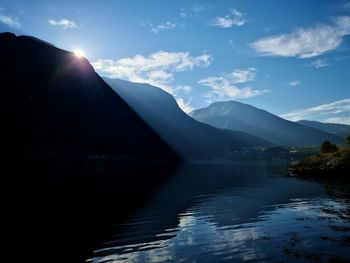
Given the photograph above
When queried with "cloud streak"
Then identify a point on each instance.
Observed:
(340, 120)
(324, 112)
(226, 86)
(183, 88)
(63, 23)
(294, 83)
(319, 63)
(234, 18)
(191, 12)
(241, 76)
(157, 28)
(305, 42)
(10, 21)
(185, 105)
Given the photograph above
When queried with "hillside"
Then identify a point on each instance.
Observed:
(54, 102)
(188, 137)
(246, 118)
(335, 128)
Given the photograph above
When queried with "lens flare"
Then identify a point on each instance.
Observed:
(79, 53)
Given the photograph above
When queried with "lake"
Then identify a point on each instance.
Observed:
(246, 211)
(111, 212)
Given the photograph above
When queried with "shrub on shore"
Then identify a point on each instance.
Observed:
(332, 162)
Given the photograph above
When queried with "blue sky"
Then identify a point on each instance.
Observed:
(291, 58)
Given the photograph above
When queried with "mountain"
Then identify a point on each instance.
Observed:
(334, 128)
(246, 118)
(188, 137)
(53, 101)
(247, 138)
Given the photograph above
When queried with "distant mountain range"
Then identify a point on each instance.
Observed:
(188, 137)
(243, 117)
(334, 128)
(53, 101)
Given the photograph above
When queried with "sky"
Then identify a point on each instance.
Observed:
(291, 58)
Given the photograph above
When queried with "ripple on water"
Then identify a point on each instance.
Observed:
(277, 219)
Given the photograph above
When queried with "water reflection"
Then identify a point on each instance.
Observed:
(60, 210)
(233, 212)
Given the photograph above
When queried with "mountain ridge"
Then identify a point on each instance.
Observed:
(335, 128)
(54, 101)
(187, 136)
(244, 117)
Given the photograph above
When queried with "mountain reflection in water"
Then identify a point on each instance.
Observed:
(108, 211)
(233, 212)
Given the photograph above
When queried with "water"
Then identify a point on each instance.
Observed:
(105, 211)
(246, 211)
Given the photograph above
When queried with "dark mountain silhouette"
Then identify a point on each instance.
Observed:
(189, 138)
(53, 101)
(243, 117)
(334, 128)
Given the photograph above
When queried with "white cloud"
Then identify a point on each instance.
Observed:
(157, 28)
(241, 75)
(341, 120)
(222, 89)
(191, 12)
(157, 69)
(234, 18)
(10, 21)
(225, 86)
(294, 83)
(305, 42)
(319, 63)
(185, 106)
(184, 88)
(320, 112)
(64, 23)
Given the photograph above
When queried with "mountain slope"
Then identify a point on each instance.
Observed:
(334, 128)
(247, 138)
(53, 101)
(243, 117)
(188, 137)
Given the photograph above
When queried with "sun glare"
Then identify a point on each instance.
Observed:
(79, 53)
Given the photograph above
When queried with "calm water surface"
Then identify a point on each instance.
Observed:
(247, 211)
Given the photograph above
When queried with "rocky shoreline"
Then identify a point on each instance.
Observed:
(332, 165)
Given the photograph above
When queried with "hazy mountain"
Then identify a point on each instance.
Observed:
(247, 138)
(334, 128)
(246, 118)
(188, 137)
(53, 101)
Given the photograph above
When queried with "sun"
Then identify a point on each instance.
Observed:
(79, 53)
